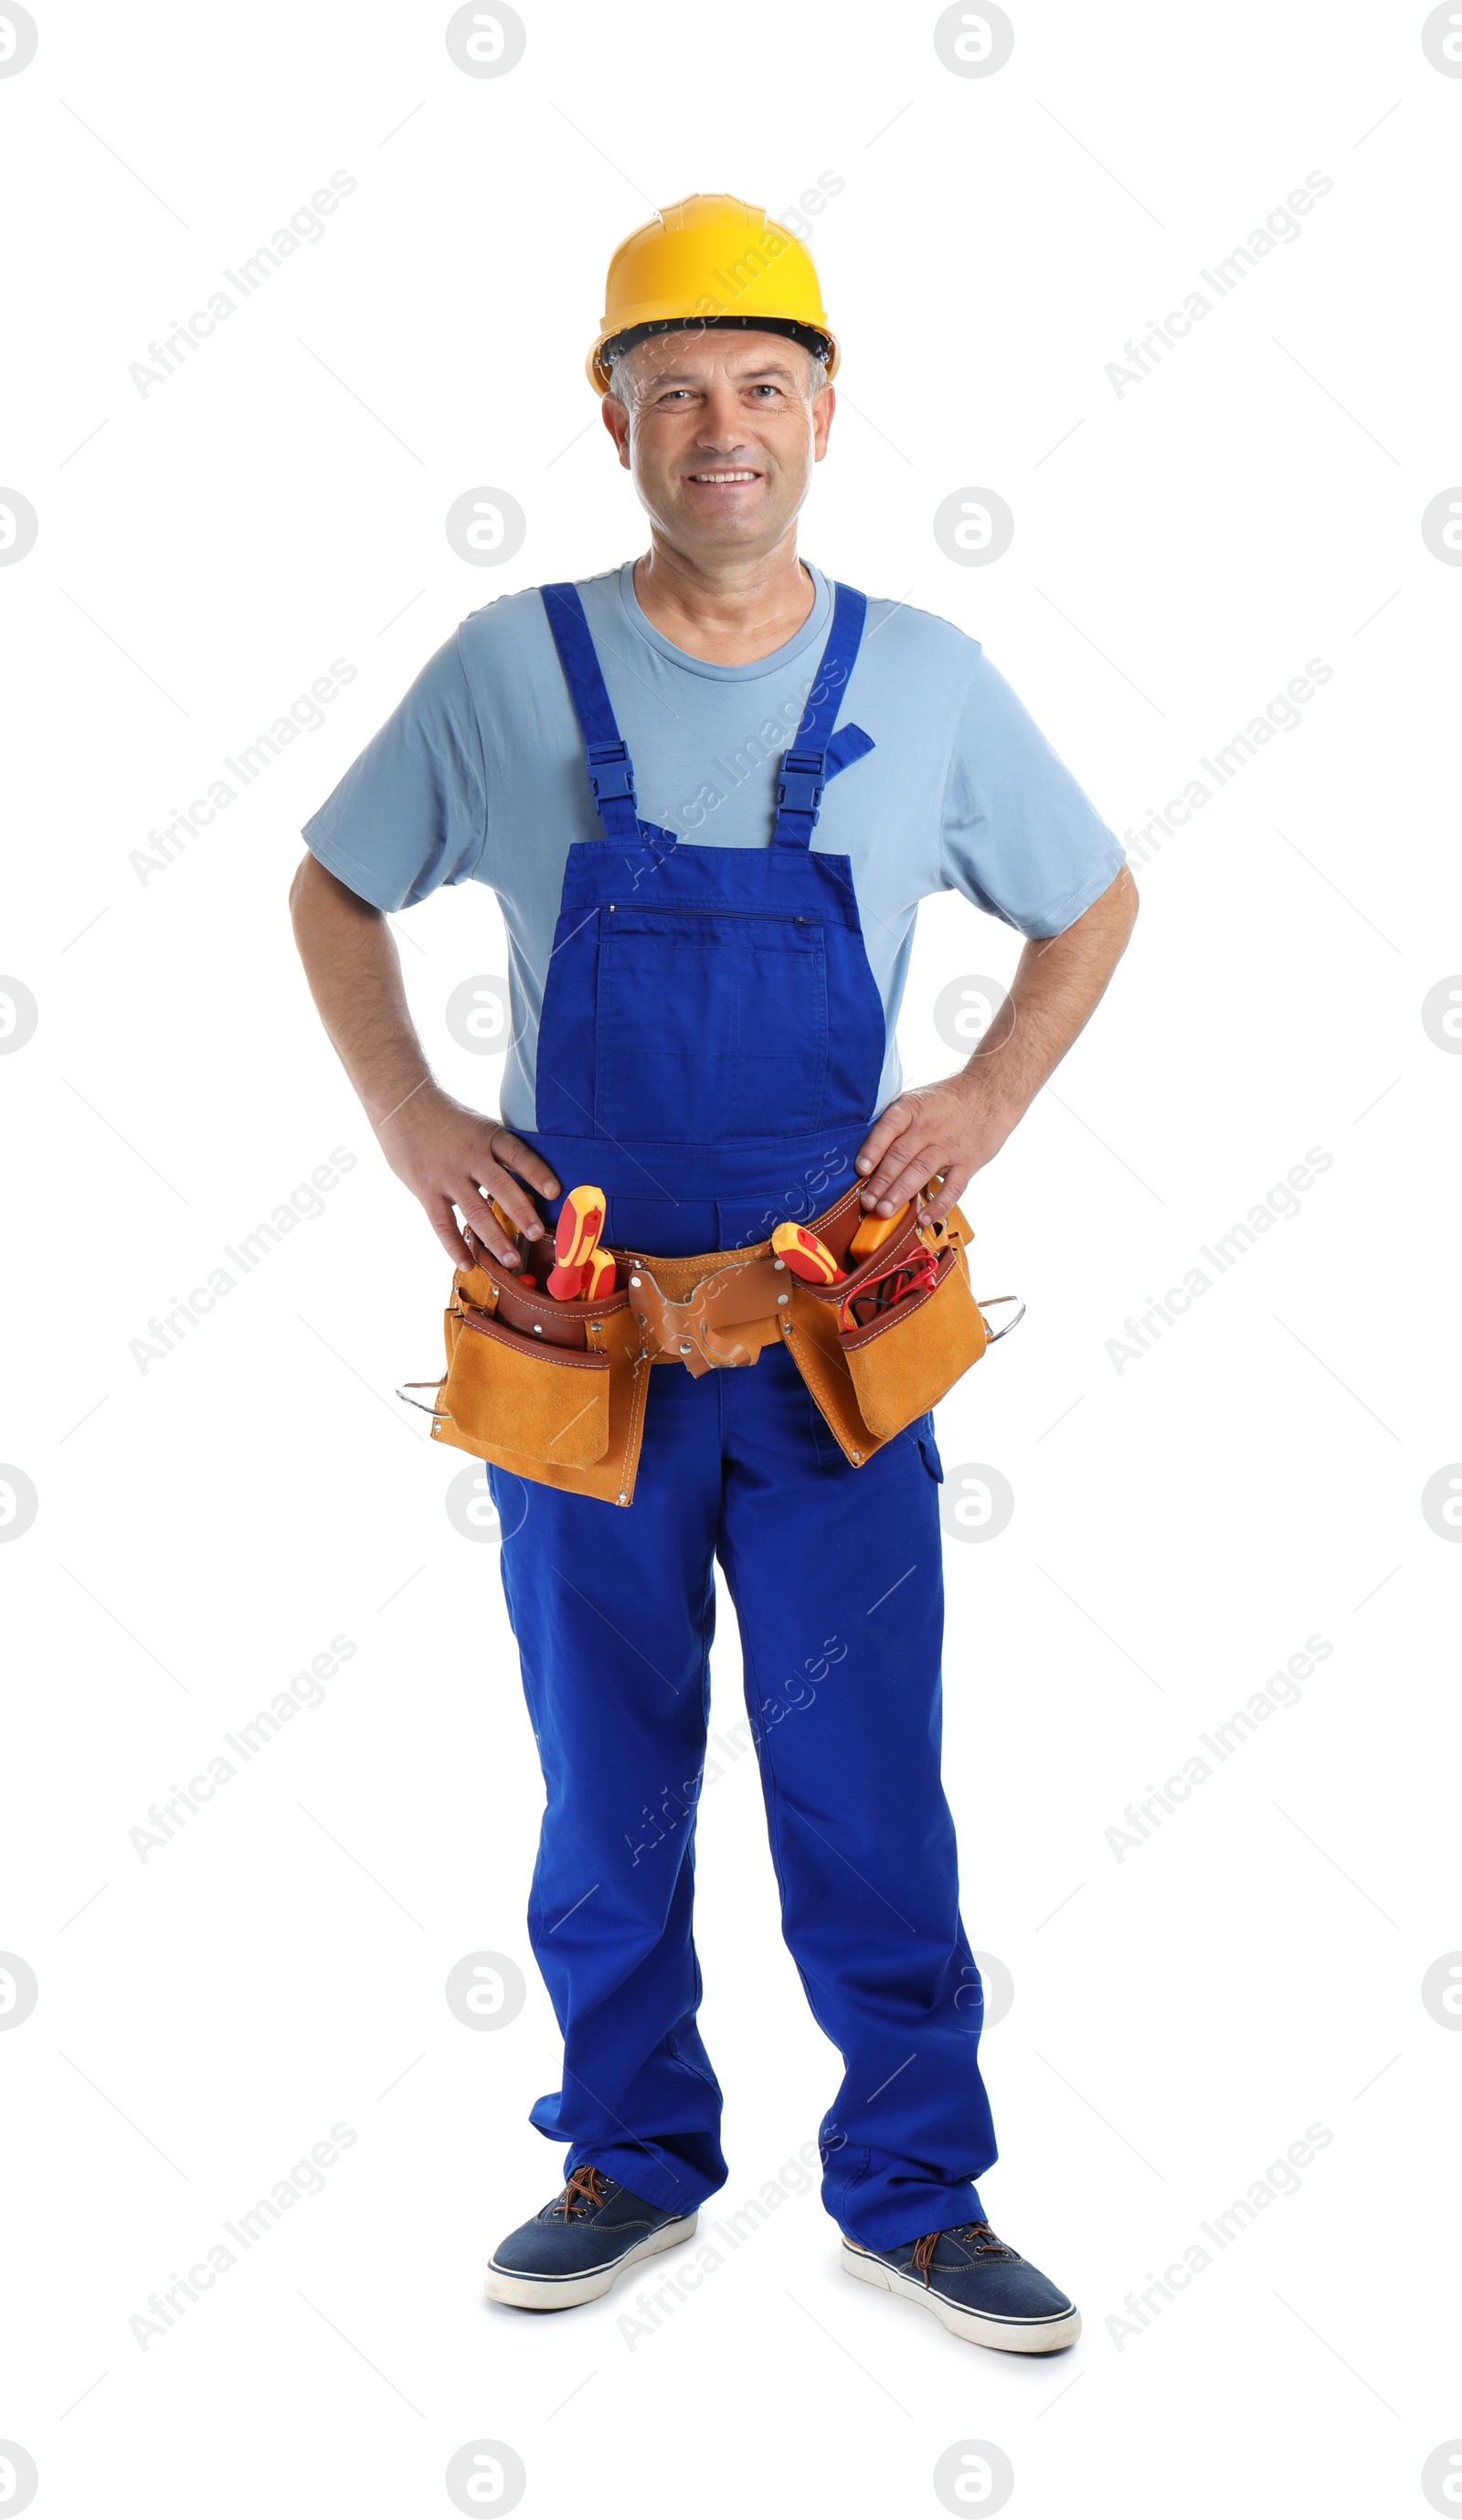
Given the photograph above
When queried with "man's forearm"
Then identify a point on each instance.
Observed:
(1059, 982)
(354, 971)
(956, 1126)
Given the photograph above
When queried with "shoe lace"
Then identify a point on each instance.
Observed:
(584, 2193)
(985, 2241)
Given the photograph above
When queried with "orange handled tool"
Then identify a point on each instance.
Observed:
(874, 1231)
(517, 1239)
(806, 1256)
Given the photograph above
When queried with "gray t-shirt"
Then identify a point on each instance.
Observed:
(479, 775)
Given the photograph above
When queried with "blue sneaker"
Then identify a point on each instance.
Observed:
(975, 2285)
(576, 2247)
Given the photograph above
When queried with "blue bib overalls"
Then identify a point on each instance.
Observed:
(709, 1052)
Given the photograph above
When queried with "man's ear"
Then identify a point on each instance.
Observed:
(617, 422)
(823, 408)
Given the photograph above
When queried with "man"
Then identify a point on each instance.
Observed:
(703, 1012)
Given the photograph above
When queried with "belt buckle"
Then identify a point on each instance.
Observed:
(678, 1326)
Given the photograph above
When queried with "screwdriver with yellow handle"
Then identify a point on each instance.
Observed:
(806, 1257)
(576, 1245)
(598, 1279)
(592, 1280)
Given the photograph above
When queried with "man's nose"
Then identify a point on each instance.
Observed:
(722, 422)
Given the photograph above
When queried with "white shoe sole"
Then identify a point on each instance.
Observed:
(565, 2292)
(1006, 2335)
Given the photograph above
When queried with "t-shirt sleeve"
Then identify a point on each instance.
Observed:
(1018, 837)
(411, 813)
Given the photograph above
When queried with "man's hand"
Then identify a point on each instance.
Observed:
(447, 1155)
(954, 1127)
(450, 1157)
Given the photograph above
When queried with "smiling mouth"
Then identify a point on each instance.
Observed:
(719, 480)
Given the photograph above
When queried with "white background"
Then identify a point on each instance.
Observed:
(1182, 1526)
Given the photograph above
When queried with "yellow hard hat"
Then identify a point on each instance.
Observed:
(711, 259)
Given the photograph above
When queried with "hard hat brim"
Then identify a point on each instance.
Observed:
(626, 334)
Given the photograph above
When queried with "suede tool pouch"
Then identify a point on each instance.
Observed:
(873, 1370)
(550, 1404)
(909, 1356)
(553, 1392)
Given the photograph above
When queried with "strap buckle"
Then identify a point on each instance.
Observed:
(610, 773)
(799, 788)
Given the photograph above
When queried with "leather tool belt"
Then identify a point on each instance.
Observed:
(555, 1392)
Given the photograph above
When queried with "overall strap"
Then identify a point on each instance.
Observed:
(611, 773)
(815, 754)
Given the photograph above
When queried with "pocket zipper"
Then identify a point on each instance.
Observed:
(788, 917)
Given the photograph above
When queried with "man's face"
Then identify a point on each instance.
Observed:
(721, 433)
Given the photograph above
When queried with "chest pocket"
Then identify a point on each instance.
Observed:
(709, 1024)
